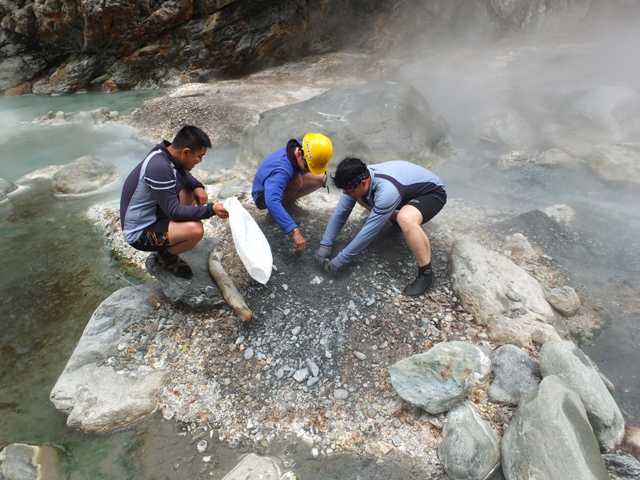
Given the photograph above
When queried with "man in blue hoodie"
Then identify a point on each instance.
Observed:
(162, 205)
(288, 174)
(398, 191)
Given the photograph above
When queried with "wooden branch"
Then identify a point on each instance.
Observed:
(228, 289)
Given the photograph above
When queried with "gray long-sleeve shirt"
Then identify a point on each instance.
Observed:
(393, 184)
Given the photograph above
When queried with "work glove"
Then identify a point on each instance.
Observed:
(334, 265)
(321, 255)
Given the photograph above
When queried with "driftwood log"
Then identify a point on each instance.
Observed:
(228, 289)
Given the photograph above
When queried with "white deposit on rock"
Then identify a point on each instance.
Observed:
(483, 280)
(96, 398)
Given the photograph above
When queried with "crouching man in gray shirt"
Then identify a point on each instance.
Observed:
(396, 190)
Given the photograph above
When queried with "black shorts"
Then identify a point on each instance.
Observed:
(429, 206)
(154, 238)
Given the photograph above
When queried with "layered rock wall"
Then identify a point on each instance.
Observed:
(63, 46)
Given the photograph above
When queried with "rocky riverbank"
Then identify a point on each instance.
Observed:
(315, 362)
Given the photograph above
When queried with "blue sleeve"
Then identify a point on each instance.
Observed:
(160, 178)
(338, 219)
(385, 202)
(274, 186)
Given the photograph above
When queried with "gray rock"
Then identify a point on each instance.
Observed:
(567, 362)
(620, 162)
(515, 373)
(482, 278)
(513, 159)
(95, 397)
(378, 122)
(622, 465)
(554, 158)
(253, 466)
(503, 129)
(470, 448)
(26, 462)
(83, 175)
(520, 247)
(564, 300)
(609, 113)
(550, 437)
(436, 380)
(561, 213)
(200, 292)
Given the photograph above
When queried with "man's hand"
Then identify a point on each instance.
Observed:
(299, 243)
(322, 253)
(334, 265)
(201, 197)
(219, 210)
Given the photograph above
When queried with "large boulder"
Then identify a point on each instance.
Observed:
(501, 295)
(436, 380)
(550, 437)
(515, 373)
(96, 398)
(470, 448)
(83, 175)
(376, 122)
(566, 361)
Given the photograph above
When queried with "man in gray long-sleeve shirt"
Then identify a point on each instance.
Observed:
(162, 204)
(398, 191)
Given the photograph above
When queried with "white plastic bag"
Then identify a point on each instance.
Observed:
(251, 244)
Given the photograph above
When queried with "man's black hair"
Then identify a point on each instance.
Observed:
(192, 138)
(347, 171)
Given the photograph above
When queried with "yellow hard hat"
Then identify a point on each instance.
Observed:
(317, 150)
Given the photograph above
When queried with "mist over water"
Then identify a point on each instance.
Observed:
(573, 91)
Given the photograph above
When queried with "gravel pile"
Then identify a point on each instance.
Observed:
(314, 363)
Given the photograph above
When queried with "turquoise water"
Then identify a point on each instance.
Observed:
(55, 271)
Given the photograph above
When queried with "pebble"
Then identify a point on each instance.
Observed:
(360, 355)
(513, 296)
(301, 375)
(340, 394)
(202, 446)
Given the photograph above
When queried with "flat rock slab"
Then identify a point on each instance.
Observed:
(200, 292)
(253, 467)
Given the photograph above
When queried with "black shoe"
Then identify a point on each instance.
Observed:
(174, 264)
(421, 284)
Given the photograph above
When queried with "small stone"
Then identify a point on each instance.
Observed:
(513, 296)
(248, 353)
(202, 446)
(167, 414)
(301, 375)
(360, 355)
(340, 394)
(296, 330)
(285, 287)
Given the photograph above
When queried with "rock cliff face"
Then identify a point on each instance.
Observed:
(63, 46)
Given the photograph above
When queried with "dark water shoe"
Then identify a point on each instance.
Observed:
(173, 264)
(421, 284)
